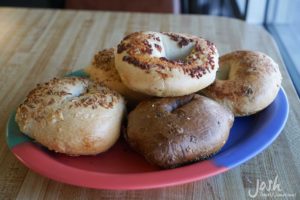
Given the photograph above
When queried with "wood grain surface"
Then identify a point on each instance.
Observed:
(36, 45)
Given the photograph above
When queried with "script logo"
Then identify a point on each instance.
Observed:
(269, 189)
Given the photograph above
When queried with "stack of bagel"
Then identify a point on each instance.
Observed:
(180, 95)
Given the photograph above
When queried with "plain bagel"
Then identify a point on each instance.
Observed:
(72, 115)
(173, 131)
(166, 64)
(246, 83)
(102, 70)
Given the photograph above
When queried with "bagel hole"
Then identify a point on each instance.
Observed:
(174, 52)
(79, 91)
(181, 56)
(223, 72)
(177, 103)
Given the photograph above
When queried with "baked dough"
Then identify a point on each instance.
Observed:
(102, 70)
(246, 83)
(170, 132)
(72, 115)
(166, 64)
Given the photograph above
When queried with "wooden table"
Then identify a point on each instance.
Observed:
(36, 45)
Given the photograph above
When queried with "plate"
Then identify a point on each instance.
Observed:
(121, 168)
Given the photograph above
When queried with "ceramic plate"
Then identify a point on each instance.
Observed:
(121, 168)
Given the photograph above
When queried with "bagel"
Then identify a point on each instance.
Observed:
(246, 83)
(102, 70)
(166, 64)
(173, 131)
(72, 115)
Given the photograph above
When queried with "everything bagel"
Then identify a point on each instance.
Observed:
(166, 64)
(72, 115)
(246, 83)
(102, 70)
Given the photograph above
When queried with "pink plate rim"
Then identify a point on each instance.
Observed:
(28, 152)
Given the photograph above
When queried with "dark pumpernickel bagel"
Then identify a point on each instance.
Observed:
(170, 132)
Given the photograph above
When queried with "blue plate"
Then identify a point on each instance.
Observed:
(251, 135)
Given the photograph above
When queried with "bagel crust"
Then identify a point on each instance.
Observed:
(72, 115)
(170, 132)
(246, 83)
(102, 70)
(166, 64)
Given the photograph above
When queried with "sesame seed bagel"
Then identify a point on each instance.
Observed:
(72, 115)
(173, 131)
(166, 64)
(246, 83)
(102, 70)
